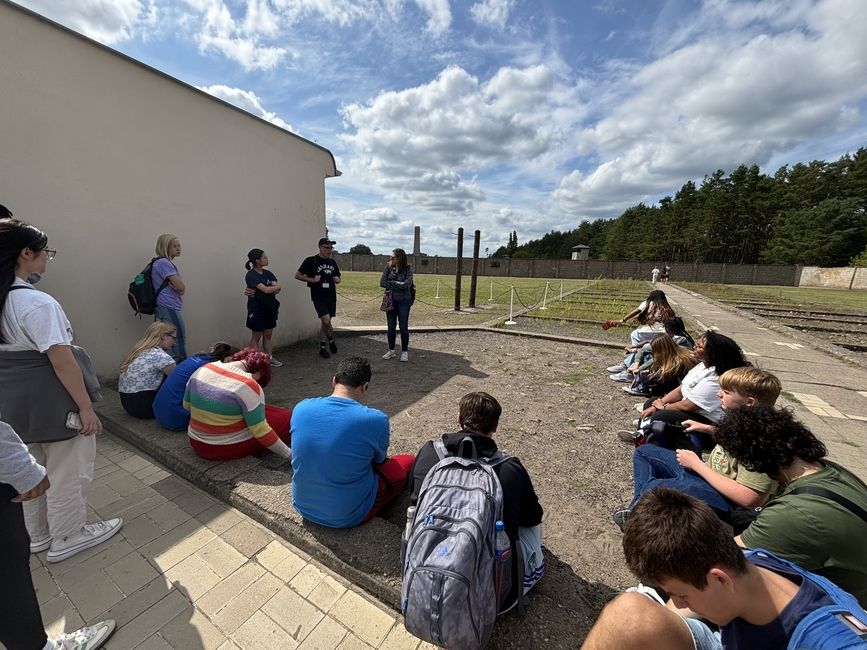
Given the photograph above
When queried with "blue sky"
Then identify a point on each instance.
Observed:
(502, 115)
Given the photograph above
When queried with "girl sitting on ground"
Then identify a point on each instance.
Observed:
(669, 364)
(168, 404)
(674, 327)
(651, 316)
(144, 367)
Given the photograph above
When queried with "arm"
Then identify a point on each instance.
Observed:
(18, 468)
(261, 430)
(672, 397)
(630, 315)
(69, 373)
(167, 370)
(383, 279)
(274, 288)
(303, 278)
(177, 284)
(729, 488)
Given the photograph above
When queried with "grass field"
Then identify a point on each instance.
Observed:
(803, 296)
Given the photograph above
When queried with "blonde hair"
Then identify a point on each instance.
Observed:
(750, 381)
(150, 339)
(164, 243)
(670, 359)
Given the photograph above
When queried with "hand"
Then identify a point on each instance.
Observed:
(627, 348)
(700, 427)
(316, 278)
(336, 279)
(688, 459)
(90, 423)
(646, 413)
(249, 292)
(33, 492)
(658, 404)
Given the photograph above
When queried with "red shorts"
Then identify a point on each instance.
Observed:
(392, 475)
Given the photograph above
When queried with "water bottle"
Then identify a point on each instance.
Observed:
(407, 531)
(502, 564)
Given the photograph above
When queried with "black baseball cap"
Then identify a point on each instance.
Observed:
(325, 240)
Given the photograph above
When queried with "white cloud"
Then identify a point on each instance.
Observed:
(439, 15)
(493, 13)
(107, 21)
(247, 101)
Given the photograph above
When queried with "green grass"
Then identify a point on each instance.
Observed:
(804, 296)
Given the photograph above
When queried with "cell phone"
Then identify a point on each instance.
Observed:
(73, 421)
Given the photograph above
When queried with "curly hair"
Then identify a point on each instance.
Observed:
(722, 353)
(256, 361)
(767, 439)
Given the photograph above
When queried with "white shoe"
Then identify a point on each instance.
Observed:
(89, 535)
(622, 376)
(404, 356)
(640, 407)
(620, 367)
(391, 354)
(275, 363)
(87, 638)
(39, 544)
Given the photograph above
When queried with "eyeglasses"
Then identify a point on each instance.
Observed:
(174, 336)
(50, 253)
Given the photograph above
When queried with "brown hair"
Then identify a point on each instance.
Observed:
(670, 360)
(750, 381)
(400, 258)
(670, 534)
(479, 412)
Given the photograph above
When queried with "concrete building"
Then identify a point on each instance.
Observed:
(105, 153)
(580, 252)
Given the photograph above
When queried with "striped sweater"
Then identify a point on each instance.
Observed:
(227, 406)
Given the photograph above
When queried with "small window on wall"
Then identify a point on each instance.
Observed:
(424, 261)
(495, 264)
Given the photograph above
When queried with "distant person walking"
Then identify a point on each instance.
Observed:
(666, 273)
(46, 397)
(321, 274)
(170, 300)
(654, 274)
(397, 278)
(262, 303)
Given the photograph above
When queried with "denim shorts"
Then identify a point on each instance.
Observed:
(702, 636)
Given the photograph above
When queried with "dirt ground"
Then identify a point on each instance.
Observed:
(560, 416)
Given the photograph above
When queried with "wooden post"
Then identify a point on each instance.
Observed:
(474, 276)
(458, 269)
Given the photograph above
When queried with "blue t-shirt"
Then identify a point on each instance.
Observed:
(335, 442)
(168, 404)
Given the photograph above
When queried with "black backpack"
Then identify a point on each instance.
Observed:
(141, 295)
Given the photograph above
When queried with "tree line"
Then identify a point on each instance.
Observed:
(812, 214)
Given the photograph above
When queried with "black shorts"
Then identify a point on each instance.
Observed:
(325, 306)
(259, 322)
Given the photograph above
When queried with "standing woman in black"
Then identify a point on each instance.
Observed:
(397, 278)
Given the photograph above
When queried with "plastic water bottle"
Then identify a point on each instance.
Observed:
(502, 563)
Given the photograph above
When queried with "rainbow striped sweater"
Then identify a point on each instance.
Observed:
(227, 406)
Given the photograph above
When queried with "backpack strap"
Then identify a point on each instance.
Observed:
(467, 445)
(150, 271)
(854, 508)
(18, 286)
(440, 448)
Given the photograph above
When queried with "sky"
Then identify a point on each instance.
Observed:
(511, 115)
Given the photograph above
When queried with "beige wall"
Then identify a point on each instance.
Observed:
(104, 154)
(844, 277)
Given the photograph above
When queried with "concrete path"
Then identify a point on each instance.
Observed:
(828, 393)
(190, 573)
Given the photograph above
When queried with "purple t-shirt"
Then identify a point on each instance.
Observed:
(168, 297)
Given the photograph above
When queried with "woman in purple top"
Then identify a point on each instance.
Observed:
(170, 290)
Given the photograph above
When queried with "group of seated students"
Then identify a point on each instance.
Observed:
(766, 486)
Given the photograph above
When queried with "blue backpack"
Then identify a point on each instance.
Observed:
(832, 627)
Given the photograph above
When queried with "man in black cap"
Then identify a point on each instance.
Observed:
(321, 274)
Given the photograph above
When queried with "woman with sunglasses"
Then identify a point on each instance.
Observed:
(46, 397)
(144, 368)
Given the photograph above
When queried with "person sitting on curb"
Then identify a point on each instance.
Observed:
(478, 417)
(819, 518)
(722, 482)
(341, 473)
(677, 542)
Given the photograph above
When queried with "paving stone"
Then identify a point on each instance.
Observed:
(131, 573)
(218, 597)
(242, 607)
(399, 639)
(148, 622)
(326, 593)
(280, 561)
(191, 629)
(105, 557)
(59, 568)
(221, 557)
(192, 577)
(43, 582)
(155, 642)
(352, 642)
(171, 487)
(101, 495)
(325, 636)
(59, 615)
(168, 515)
(93, 595)
(293, 613)
(155, 477)
(102, 474)
(134, 463)
(139, 601)
(140, 531)
(259, 632)
(126, 484)
(130, 507)
(307, 579)
(177, 545)
(247, 538)
(219, 518)
(194, 502)
(229, 645)
(362, 617)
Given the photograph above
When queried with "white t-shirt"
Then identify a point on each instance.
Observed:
(700, 386)
(145, 372)
(33, 320)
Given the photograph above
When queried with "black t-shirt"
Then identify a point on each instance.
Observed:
(266, 302)
(326, 268)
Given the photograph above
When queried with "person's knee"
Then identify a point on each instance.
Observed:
(632, 620)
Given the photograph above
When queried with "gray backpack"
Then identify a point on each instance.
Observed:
(448, 595)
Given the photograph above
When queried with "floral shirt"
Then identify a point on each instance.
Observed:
(145, 372)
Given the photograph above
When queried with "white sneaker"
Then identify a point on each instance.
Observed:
(640, 407)
(89, 535)
(39, 544)
(621, 376)
(391, 354)
(620, 367)
(275, 363)
(87, 638)
(404, 356)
